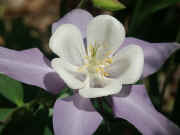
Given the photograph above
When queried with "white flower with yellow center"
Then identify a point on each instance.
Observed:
(99, 68)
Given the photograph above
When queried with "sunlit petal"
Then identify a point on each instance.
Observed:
(106, 31)
(127, 64)
(67, 43)
(68, 73)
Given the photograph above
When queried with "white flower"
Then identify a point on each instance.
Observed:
(96, 70)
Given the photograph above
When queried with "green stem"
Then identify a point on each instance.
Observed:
(135, 18)
(178, 36)
(81, 4)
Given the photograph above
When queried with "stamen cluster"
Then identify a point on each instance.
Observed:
(94, 65)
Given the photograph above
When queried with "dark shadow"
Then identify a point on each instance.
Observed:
(47, 61)
(125, 91)
(26, 123)
(85, 43)
(53, 82)
(80, 102)
(85, 104)
(117, 126)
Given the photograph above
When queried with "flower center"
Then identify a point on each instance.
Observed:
(94, 65)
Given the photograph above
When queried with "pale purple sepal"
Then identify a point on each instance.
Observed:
(75, 116)
(137, 109)
(78, 17)
(30, 67)
(155, 54)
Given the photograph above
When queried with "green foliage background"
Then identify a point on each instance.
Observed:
(27, 110)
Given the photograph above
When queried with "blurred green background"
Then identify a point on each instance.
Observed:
(27, 110)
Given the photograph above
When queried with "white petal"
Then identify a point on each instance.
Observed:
(105, 30)
(127, 65)
(68, 73)
(67, 43)
(113, 87)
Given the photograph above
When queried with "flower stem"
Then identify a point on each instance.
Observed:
(81, 3)
(178, 36)
(136, 19)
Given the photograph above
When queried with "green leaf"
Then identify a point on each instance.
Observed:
(47, 131)
(1, 129)
(178, 36)
(2, 10)
(144, 9)
(12, 90)
(111, 5)
(155, 6)
(5, 113)
(66, 92)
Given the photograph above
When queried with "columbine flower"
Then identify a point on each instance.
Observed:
(96, 70)
(75, 115)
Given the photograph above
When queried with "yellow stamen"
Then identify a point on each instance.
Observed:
(95, 65)
(97, 69)
(106, 74)
(80, 69)
(108, 53)
(108, 60)
(91, 50)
